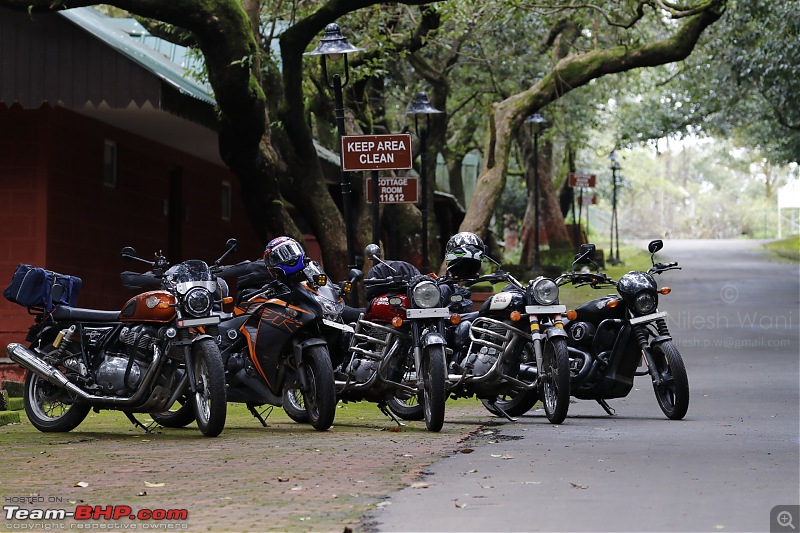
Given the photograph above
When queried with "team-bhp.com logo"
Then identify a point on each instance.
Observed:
(96, 513)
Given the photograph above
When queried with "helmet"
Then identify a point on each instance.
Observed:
(284, 256)
(463, 255)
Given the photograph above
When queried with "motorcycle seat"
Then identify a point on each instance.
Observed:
(79, 314)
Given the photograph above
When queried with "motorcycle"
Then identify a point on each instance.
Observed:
(397, 353)
(513, 351)
(609, 336)
(272, 343)
(141, 359)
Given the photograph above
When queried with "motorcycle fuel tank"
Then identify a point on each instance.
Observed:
(153, 306)
(385, 308)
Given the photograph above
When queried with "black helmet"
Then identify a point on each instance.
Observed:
(463, 255)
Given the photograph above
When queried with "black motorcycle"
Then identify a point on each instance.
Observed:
(513, 351)
(609, 336)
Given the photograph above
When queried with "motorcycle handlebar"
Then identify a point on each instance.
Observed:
(658, 268)
(136, 280)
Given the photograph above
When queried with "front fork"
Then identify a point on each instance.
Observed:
(537, 337)
(643, 333)
(433, 337)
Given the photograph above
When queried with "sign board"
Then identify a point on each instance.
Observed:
(394, 190)
(587, 199)
(582, 180)
(376, 152)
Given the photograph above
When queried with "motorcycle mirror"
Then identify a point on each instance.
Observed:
(128, 253)
(355, 275)
(373, 251)
(232, 243)
(655, 246)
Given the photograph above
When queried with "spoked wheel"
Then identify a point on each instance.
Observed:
(181, 414)
(320, 398)
(672, 392)
(434, 390)
(210, 400)
(554, 379)
(515, 403)
(51, 408)
(295, 405)
(406, 406)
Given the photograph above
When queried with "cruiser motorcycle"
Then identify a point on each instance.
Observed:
(141, 359)
(513, 351)
(611, 335)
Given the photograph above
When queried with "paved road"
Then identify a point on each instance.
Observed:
(736, 317)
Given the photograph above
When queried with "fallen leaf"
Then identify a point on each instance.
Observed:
(148, 484)
(496, 455)
(143, 493)
(473, 471)
(283, 479)
(578, 485)
(81, 484)
(460, 505)
(394, 429)
(408, 455)
(297, 487)
(420, 485)
(467, 450)
(531, 482)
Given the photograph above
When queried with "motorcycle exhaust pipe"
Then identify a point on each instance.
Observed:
(528, 372)
(27, 359)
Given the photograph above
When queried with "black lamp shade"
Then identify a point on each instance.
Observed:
(333, 43)
(421, 105)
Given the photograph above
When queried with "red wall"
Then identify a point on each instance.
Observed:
(56, 213)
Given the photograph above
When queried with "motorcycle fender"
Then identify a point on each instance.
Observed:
(660, 339)
(298, 356)
(433, 339)
(201, 337)
(556, 332)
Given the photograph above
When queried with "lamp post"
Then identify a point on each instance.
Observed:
(334, 46)
(537, 124)
(615, 166)
(422, 106)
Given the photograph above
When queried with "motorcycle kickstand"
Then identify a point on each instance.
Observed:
(607, 407)
(385, 410)
(502, 412)
(258, 416)
(138, 424)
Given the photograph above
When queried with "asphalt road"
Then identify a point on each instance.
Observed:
(735, 317)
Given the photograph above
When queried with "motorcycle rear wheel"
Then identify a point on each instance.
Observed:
(514, 404)
(673, 392)
(554, 379)
(180, 415)
(49, 407)
(320, 400)
(434, 392)
(210, 400)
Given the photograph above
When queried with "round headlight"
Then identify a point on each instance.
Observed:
(198, 301)
(544, 291)
(426, 294)
(645, 302)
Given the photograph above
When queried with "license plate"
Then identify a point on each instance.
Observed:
(546, 309)
(648, 318)
(436, 312)
(337, 325)
(188, 323)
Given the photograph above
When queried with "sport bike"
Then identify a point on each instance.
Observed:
(141, 359)
(611, 335)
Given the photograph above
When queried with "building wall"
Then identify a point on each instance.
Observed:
(57, 213)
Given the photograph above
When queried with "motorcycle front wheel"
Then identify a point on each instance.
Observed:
(210, 400)
(434, 391)
(320, 398)
(49, 407)
(673, 391)
(554, 379)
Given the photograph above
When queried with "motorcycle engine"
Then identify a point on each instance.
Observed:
(111, 376)
(481, 358)
(582, 333)
(139, 341)
(120, 373)
(361, 369)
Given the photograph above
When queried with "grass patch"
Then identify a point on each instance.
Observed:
(785, 249)
(9, 417)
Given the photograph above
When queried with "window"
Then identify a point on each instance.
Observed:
(110, 164)
(226, 195)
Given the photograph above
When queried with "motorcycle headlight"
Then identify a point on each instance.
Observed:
(426, 294)
(543, 291)
(645, 302)
(197, 302)
(330, 309)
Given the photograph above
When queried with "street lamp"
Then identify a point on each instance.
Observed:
(537, 124)
(422, 106)
(334, 46)
(614, 222)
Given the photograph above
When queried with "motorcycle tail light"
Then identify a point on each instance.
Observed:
(455, 319)
(664, 290)
(397, 321)
(515, 316)
(572, 314)
(611, 304)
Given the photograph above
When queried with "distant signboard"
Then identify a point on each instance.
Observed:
(582, 180)
(394, 190)
(587, 199)
(376, 152)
